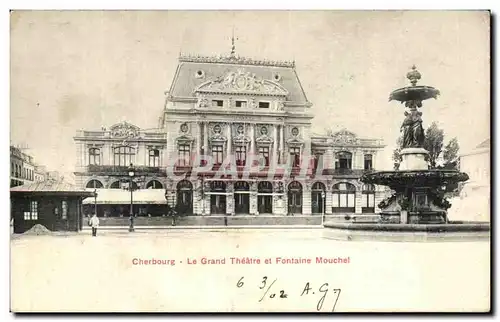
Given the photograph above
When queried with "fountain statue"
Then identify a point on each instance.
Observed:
(418, 203)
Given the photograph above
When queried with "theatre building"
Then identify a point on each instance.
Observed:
(256, 115)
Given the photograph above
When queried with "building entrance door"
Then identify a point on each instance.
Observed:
(241, 203)
(218, 204)
(265, 204)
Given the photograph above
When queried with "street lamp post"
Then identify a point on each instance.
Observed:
(323, 198)
(131, 175)
(95, 201)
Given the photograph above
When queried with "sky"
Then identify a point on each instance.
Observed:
(74, 70)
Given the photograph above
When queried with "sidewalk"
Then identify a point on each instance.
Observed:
(87, 228)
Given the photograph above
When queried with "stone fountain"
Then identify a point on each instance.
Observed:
(417, 208)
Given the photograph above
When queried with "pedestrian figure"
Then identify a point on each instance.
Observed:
(94, 223)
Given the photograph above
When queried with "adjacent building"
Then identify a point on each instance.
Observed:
(23, 168)
(234, 137)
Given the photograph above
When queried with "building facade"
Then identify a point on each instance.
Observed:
(23, 169)
(103, 161)
(235, 137)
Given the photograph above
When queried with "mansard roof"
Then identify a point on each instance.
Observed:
(192, 72)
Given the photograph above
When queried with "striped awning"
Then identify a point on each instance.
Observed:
(118, 197)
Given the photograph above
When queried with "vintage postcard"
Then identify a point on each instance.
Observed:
(250, 161)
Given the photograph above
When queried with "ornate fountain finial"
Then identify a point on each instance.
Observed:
(414, 75)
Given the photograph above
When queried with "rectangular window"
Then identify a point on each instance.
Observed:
(368, 162)
(64, 207)
(264, 155)
(94, 156)
(241, 155)
(217, 154)
(33, 213)
(123, 156)
(154, 158)
(241, 104)
(184, 155)
(263, 104)
(217, 103)
(295, 156)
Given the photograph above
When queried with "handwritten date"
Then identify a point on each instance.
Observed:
(307, 290)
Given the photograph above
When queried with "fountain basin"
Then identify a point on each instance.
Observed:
(414, 178)
(414, 93)
(369, 231)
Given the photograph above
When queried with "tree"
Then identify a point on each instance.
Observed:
(433, 143)
(450, 154)
(396, 154)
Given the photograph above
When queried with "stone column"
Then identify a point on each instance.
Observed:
(329, 199)
(198, 138)
(205, 138)
(358, 201)
(253, 198)
(306, 198)
(282, 144)
(228, 136)
(252, 139)
(275, 144)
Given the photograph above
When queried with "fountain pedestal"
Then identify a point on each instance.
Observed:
(413, 159)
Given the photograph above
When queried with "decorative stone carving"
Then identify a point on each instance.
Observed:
(279, 187)
(240, 138)
(344, 137)
(202, 102)
(240, 81)
(216, 134)
(295, 139)
(234, 59)
(124, 130)
(252, 103)
(264, 137)
(281, 106)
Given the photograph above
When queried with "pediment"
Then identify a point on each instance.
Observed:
(241, 82)
(185, 139)
(344, 137)
(124, 130)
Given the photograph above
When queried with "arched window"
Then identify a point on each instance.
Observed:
(368, 198)
(217, 186)
(123, 156)
(241, 186)
(154, 184)
(343, 160)
(94, 184)
(94, 156)
(344, 195)
(154, 158)
(265, 187)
